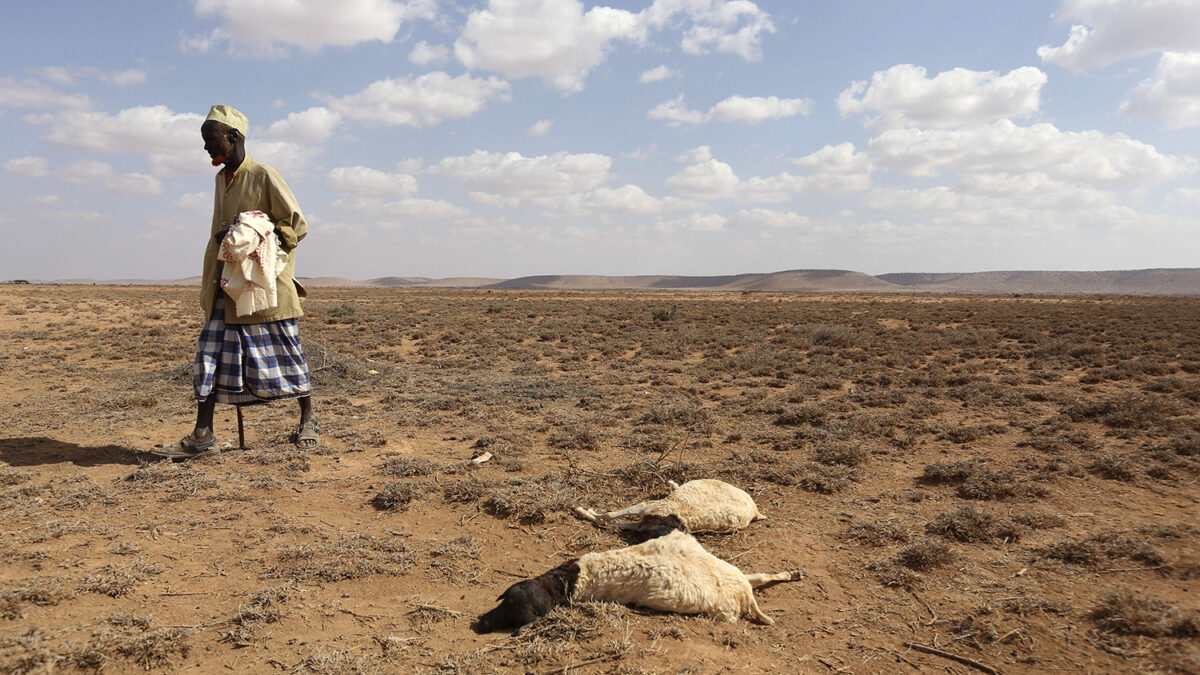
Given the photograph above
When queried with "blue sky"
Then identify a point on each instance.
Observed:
(504, 138)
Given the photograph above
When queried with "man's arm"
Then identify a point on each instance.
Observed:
(290, 225)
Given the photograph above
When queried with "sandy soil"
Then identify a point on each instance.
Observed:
(972, 484)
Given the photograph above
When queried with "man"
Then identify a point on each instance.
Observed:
(245, 360)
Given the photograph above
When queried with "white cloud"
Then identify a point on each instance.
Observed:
(58, 75)
(1172, 94)
(1184, 197)
(1107, 31)
(421, 101)
(769, 219)
(424, 53)
(725, 26)
(365, 182)
(313, 126)
(557, 41)
(903, 96)
(626, 200)
(92, 171)
(265, 25)
(127, 78)
(39, 96)
(401, 212)
(195, 201)
(286, 157)
(837, 169)
(540, 128)
(1088, 157)
(30, 167)
(554, 40)
(696, 155)
(513, 175)
(657, 74)
(736, 108)
(696, 222)
(713, 179)
(170, 141)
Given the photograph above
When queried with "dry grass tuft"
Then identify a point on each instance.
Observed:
(407, 467)
(534, 500)
(397, 496)
(348, 558)
(41, 591)
(115, 579)
(969, 524)
(1126, 611)
(1104, 548)
(264, 608)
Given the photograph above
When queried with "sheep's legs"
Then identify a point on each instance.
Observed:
(778, 577)
(608, 518)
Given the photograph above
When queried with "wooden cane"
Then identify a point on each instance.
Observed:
(241, 430)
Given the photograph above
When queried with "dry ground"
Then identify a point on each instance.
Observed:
(1009, 480)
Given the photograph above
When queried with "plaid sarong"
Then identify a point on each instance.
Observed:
(249, 363)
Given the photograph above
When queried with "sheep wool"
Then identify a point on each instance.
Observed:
(672, 573)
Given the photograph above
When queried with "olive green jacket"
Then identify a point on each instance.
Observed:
(255, 187)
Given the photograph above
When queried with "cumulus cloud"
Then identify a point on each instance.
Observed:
(420, 101)
(195, 201)
(313, 126)
(750, 110)
(402, 212)
(30, 167)
(1089, 157)
(365, 182)
(1184, 197)
(92, 171)
(1107, 31)
(424, 53)
(169, 141)
(625, 200)
(769, 219)
(903, 96)
(36, 95)
(1172, 94)
(540, 128)
(724, 26)
(560, 43)
(265, 26)
(701, 153)
(657, 74)
(514, 176)
(837, 169)
(696, 222)
(712, 179)
(554, 40)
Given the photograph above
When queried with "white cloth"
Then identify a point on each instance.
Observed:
(253, 260)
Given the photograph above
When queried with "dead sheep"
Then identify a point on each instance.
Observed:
(671, 573)
(704, 505)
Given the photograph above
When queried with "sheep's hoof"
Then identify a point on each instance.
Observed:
(586, 514)
(796, 575)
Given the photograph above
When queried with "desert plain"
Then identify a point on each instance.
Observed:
(971, 483)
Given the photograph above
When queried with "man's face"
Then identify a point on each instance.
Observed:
(216, 142)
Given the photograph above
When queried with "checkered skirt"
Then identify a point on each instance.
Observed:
(249, 363)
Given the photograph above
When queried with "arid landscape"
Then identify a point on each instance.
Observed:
(971, 483)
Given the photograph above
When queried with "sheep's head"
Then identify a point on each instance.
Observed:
(529, 600)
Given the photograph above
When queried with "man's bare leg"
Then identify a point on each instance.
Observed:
(307, 434)
(203, 432)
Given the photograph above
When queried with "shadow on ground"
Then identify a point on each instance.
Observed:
(39, 451)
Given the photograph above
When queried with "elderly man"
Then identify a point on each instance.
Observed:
(256, 358)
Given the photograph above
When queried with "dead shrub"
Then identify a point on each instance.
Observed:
(115, 579)
(1127, 411)
(877, 534)
(408, 467)
(348, 558)
(969, 524)
(1120, 466)
(1126, 611)
(1104, 548)
(925, 555)
(397, 496)
(533, 500)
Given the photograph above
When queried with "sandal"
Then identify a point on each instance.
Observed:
(186, 448)
(308, 436)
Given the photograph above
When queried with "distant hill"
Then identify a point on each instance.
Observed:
(1178, 281)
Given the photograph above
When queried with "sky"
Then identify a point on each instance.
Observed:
(506, 138)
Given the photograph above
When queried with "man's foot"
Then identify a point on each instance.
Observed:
(186, 448)
(308, 436)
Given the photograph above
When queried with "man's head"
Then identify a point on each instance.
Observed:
(224, 133)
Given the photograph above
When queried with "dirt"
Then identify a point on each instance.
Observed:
(970, 483)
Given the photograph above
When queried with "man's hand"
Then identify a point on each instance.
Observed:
(221, 235)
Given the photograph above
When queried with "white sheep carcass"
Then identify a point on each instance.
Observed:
(704, 505)
(671, 573)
